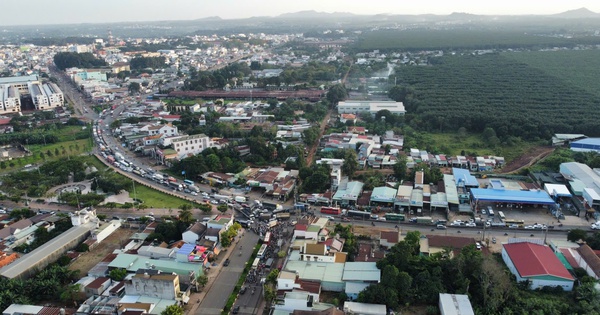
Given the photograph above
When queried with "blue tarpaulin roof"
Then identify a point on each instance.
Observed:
(464, 176)
(512, 196)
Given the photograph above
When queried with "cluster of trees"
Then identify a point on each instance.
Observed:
(504, 97)
(52, 283)
(64, 60)
(199, 81)
(111, 182)
(49, 174)
(42, 236)
(139, 63)
(410, 278)
(75, 199)
(456, 39)
(315, 179)
(226, 237)
(577, 235)
(226, 160)
(351, 240)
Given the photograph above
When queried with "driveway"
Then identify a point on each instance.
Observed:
(223, 285)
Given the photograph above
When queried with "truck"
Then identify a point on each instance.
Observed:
(158, 177)
(330, 210)
(265, 216)
(424, 220)
(119, 157)
(271, 206)
(193, 188)
(175, 185)
(172, 179)
(222, 197)
(240, 199)
(282, 216)
(110, 159)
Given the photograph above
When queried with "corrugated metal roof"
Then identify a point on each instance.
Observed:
(512, 196)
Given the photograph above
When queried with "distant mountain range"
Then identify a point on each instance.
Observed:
(578, 14)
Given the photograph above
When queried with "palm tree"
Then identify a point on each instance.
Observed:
(185, 213)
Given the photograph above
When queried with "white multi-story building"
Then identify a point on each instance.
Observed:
(54, 94)
(39, 98)
(191, 145)
(10, 99)
(372, 107)
(46, 96)
(167, 129)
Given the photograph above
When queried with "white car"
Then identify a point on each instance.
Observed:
(214, 202)
(193, 193)
(470, 224)
(483, 211)
(330, 218)
(529, 227)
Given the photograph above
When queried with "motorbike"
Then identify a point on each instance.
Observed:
(505, 234)
(458, 231)
(373, 223)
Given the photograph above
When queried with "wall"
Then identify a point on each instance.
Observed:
(113, 226)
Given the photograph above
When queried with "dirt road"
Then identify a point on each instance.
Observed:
(529, 158)
(313, 149)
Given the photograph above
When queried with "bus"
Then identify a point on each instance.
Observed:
(394, 217)
(501, 215)
(188, 182)
(330, 210)
(359, 214)
(124, 163)
(261, 251)
(519, 223)
(491, 213)
(255, 263)
(267, 238)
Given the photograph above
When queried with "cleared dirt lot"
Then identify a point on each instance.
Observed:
(89, 259)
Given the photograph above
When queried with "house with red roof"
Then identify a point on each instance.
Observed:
(537, 264)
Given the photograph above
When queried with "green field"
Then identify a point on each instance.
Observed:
(472, 145)
(156, 199)
(576, 68)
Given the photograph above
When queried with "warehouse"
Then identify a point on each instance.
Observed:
(524, 197)
(586, 145)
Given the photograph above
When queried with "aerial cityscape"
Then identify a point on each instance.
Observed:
(299, 158)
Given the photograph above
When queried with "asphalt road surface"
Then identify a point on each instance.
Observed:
(223, 285)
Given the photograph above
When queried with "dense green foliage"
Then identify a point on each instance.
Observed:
(456, 39)
(46, 285)
(410, 278)
(172, 310)
(315, 179)
(227, 237)
(574, 67)
(50, 174)
(42, 235)
(199, 81)
(139, 63)
(477, 92)
(76, 199)
(64, 60)
(168, 231)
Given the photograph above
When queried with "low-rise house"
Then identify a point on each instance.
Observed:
(364, 308)
(359, 275)
(388, 239)
(194, 233)
(589, 261)
(453, 304)
(97, 287)
(536, 264)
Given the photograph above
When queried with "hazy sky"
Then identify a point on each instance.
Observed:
(31, 12)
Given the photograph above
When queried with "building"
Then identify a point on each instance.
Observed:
(455, 304)
(191, 145)
(371, 107)
(10, 99)
(537, 264)
(586, 145)
(46, 96)
(356, 308)
(21, 83)
(587, 259)
(358, 275)
(97, 287)
(194, 233)
(159, 285)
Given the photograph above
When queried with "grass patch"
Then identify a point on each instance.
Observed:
(471, 144)
(157, 199)
(65, 151)
(240, 282)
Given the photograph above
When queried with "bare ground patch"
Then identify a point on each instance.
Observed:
(89, 259)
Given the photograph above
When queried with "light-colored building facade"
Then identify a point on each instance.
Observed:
(191, 145)
(371, 107)
(10, 99)
(162, 285)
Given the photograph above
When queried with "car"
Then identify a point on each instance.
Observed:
(529, 227)
(493, 240)
(483, 211)
(194, 193)
(330, 218)
(214, 202)
(478, 245)
(470, 224)
(226, 263)
(187, 191)
(242, 290)
(513, 226)
(382, 219)
(235, 310)
(441, 227)
(2, 211)
(345, 219)
(374, 217)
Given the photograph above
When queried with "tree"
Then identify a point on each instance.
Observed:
(202, 280)
(185, 213)
(576, 235)
(399, 93)
(205, 208)
(272, 276)
(172, 310)
(222, 208)
(134, 87)
(71, 293)
(117, 274)
(350, 165)
(400, 168)
(336, 94)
